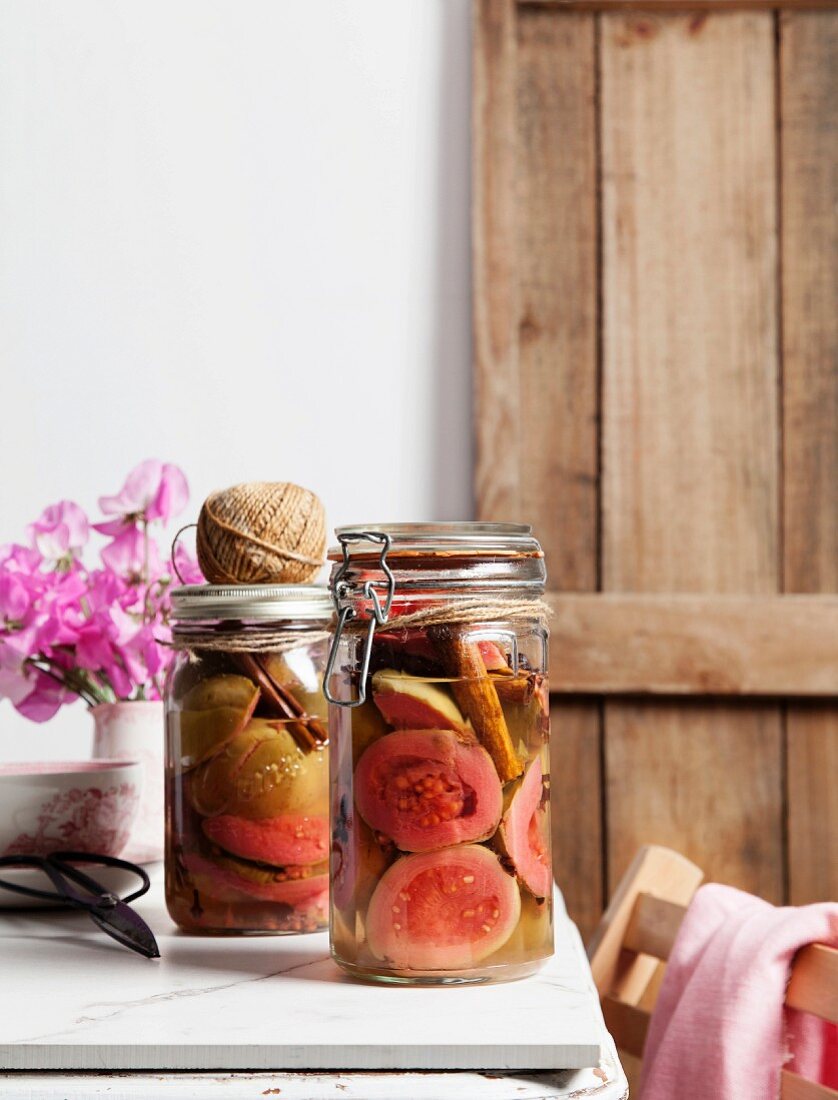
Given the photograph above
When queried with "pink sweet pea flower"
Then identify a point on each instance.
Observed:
(15, 685)
(126, 555)
(45, 699)
(157, 490)
(14, 599)
(185, 568)
(60, 529)
(93, 648)
(15, 558)
(115, 527)
(109, 624)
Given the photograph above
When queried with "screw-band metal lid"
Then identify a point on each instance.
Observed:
(254, 602)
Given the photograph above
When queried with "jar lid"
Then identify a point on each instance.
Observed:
(466, 538)
(262, 602)
(419, 557)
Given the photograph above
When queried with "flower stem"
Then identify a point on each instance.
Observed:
(146, 570)
(68, 678)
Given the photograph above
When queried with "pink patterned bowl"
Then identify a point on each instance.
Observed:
(84, 806)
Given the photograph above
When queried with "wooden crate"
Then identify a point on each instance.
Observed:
(656, 347)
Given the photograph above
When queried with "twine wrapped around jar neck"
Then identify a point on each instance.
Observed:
(247, 640)
(469, 612)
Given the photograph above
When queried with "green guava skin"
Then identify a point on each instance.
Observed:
(261, 772)
(212, 712)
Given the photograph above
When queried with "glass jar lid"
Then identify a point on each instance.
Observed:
(461, 538)
(253, 602)
(457, 557)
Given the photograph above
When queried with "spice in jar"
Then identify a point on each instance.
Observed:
(441, 868)
(247, 831)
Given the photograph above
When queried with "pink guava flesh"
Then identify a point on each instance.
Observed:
(443, 910)
(426, 789)
(412, 703)
(403, 711)
(288, 838)
(223, 884)
(493, 657)
(523, 833)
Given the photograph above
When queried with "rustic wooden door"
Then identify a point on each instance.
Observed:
(656, 383)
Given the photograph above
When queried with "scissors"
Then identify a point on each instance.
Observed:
(110, 912)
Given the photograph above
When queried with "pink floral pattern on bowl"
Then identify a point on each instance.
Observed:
(83, 806)
(91, 820)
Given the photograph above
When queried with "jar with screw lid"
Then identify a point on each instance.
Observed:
(247, 831)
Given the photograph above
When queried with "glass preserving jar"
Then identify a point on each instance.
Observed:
(440, 761)
(247, 829)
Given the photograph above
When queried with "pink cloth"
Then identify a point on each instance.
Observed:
(719, 1029)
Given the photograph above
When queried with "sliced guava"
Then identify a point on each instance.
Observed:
(288, 838)
(367, 726)
(427, 789)
(297, 672)
(443, 910)
(261, 773)
(533, 935)
(229, 880)
(357, 863)
(412, 703)
(494, 657)
(523, 833)
(212, 713)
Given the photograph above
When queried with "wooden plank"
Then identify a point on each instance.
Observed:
(687, 644)
(690, 422)
(497, 413)
(809, 116)
(654, 925)
(814, 982)
(711, 788)
(557, 244)
(690, 341)
(673, 6)
(557, 391)
(576, 782)
(795, 1087)
(627, 1025)
(812, 737)
(654, 870)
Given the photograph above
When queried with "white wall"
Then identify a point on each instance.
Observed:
(233, 235)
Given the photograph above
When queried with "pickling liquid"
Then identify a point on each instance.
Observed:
(440, 866)
(247, 829)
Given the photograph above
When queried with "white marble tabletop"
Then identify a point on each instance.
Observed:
(219, 1011)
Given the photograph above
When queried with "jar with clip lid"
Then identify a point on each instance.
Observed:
(247, 830)
(440, 764)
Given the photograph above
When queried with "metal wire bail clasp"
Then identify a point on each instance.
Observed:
(345, 611)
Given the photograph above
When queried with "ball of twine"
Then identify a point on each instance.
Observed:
(262, 532)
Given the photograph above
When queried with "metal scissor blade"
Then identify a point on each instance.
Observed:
(127, 927)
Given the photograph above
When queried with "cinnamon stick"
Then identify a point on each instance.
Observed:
(515, 690)
(477, 697)
(309, 732)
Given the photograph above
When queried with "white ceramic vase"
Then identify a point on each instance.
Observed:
(135, 731)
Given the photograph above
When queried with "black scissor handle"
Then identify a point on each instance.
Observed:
(58, 867)
(111, 913)
(65, 861)
(40, 863)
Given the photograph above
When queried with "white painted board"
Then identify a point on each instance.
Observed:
(73, 1000)
(604, 1082)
